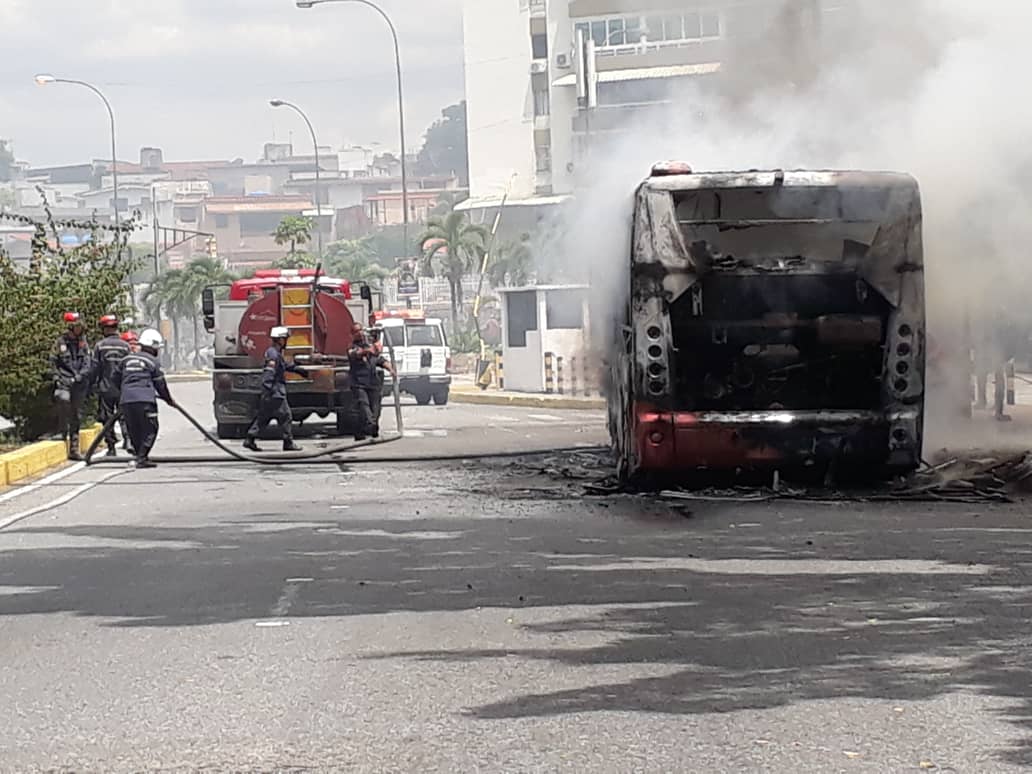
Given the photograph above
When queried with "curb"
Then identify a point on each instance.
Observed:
(39, 457)
(486, 398)
(196, 376)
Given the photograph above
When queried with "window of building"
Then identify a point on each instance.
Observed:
(539, 45)
(564, 309)
(187, 214)
(254, 224)
(659, 28)
(521, 316)
(542, 101)
(543, 155)
(221, 221)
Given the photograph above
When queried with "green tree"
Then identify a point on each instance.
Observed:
(204, 272)
(355, 261)
(444, 150)
(90, 280)
(293, 230)
(173, 294)
(510, 263)
(295, 260)
(452, 247)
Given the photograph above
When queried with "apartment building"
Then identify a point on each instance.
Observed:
(548, 80)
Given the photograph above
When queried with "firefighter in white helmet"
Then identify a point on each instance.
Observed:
(141, 382)
(273, 403)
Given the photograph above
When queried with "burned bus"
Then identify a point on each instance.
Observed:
(774, 319)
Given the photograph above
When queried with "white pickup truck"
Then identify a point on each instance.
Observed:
(421, 353)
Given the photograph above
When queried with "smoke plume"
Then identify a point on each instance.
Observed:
(929, 87)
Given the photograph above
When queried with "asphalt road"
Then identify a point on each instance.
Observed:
(483, 616)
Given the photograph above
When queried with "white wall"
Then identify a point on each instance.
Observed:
(500, 111)
(563, 99)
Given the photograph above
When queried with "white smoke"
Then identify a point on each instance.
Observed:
(930, 87)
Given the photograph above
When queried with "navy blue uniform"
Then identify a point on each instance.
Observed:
(72, 367)
(366, 387)
(108, 355)
(141, 382)
(273, 403)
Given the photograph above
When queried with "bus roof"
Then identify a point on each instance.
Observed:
(802, 178)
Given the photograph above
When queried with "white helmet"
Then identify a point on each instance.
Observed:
(151, 338)
(279, 332)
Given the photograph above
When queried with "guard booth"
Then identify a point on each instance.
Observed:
(545, 335)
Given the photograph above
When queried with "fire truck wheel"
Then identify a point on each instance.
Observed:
(422, 398)
(441, 397)
(230, 431)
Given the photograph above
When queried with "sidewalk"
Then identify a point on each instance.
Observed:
(468, 392)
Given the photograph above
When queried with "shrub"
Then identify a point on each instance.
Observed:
(90, 280)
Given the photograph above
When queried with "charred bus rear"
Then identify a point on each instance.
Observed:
(773, 318)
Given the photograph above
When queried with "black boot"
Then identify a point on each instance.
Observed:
(290, 446)
(112, 451)
(251, 445)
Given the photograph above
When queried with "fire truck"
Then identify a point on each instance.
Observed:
(319, 312)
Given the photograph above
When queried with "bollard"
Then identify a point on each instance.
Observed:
(1010, 383)
(559, 373)
(499, 373)
(549, 376)
(573, 375)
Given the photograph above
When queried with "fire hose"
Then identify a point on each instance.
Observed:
(324, 457)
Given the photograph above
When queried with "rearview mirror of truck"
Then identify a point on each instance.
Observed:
(365, 293)
(208, 302)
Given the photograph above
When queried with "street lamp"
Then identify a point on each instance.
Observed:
(45, 79)
(318, 184)
(401, 100)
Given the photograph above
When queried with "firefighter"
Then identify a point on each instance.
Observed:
(382, 363)
(363, 360)
(992, 351)
(274, 403)
(141, 382)
(108, 354)
(130, 338)
(72, 368)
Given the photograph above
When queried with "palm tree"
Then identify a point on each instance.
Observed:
(355, 261)
(173, 292)
(293, 230)
(510, 263)
(452, 247)
(202, 273)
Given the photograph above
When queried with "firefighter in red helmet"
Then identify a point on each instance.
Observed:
(72, 368)
(108, 355)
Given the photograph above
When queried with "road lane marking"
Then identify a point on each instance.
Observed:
(62, 500)
(52, 478)
(546, 417)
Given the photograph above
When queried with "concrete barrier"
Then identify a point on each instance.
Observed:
(36, 458)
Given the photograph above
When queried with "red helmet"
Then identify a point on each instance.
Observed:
(72, 318)
(109, 321)
(129, 336)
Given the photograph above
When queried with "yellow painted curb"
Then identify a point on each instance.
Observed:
(487, 398)
(38, 457)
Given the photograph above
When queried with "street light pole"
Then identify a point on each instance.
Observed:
(401, 101)
(318, 184)
(44, 80)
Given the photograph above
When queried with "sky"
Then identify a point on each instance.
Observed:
(194, 77)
